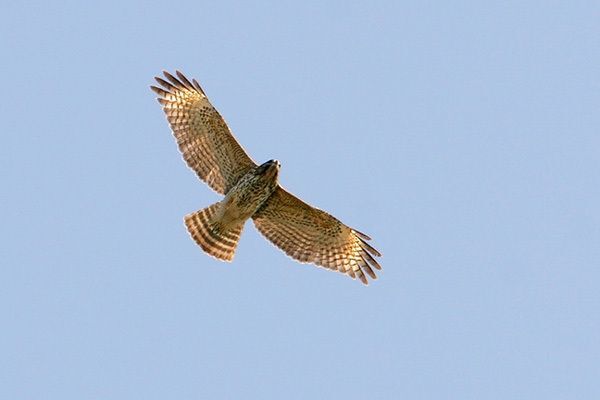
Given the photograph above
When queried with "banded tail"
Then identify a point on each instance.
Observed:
(207, 234)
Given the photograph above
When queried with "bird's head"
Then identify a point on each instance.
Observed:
(270, 169)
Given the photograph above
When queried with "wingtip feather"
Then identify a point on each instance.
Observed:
(184, 80)
(363, 280)
(172, 79)
(361, 235)
(366, 246)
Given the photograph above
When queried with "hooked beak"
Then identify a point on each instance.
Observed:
(271, 167)
(276, 162)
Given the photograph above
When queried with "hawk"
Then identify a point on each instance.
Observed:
(303, 232)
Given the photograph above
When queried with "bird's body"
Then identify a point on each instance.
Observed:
(248, 194)
(303, 232)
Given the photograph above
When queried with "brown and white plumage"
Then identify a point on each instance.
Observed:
(310, 235)
(203, 137)
(303, 232)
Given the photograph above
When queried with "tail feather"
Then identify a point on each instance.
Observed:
(217, 243)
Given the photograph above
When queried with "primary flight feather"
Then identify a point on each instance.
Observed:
(303, 232)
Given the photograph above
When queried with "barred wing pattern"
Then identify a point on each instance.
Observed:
(310, 235)
(204, 139)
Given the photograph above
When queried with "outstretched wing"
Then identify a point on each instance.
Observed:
(310, 235)
(203, 137)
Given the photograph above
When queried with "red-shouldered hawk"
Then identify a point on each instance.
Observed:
(303, 232)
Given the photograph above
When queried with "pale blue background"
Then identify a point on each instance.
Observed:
(463, 137)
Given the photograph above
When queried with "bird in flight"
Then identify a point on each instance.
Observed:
(303, 232)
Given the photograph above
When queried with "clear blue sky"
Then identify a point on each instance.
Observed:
(464, 138)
